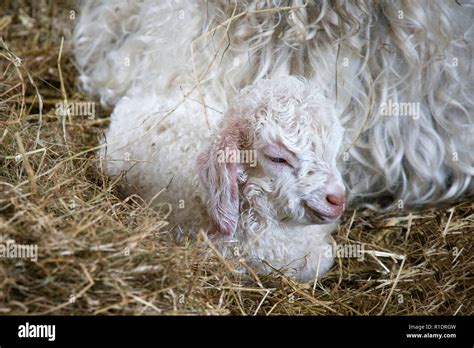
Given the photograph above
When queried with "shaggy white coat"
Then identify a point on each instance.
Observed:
(356, 58)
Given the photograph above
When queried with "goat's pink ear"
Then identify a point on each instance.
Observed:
(219, 178)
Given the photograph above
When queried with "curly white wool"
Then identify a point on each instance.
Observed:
(406, 52)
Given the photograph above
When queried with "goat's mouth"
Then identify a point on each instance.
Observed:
(317, 216)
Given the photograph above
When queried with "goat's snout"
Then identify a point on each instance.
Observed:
(326, 206)
(335, 204)
(336, 199)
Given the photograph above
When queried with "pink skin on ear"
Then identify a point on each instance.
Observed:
(219, 177)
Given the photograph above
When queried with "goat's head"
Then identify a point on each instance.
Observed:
(277, 148)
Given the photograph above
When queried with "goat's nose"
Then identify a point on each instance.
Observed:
(337, 199)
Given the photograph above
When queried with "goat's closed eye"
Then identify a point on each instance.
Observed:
(278, 160)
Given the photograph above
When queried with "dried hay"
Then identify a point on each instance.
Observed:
(100, 254)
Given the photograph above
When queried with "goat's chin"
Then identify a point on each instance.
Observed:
(306, 218)
(320, 221)
(314, 218)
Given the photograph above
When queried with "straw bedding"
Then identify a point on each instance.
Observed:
(101, 253)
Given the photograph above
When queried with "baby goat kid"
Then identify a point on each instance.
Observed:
(279, 209)
(257, 115)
